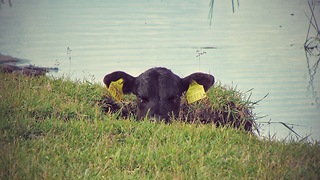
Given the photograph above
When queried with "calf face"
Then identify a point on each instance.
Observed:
(158, 90)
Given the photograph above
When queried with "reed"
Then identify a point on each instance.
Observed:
(312, 43)
(211, 5)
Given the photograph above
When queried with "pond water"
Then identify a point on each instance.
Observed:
(259, 46)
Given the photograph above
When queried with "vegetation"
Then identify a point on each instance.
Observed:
(54, 128)
(222, 107)
(211, 5)
(312, 43)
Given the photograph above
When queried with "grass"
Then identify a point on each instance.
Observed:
(53, 128)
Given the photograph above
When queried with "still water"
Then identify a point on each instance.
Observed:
(258, 46)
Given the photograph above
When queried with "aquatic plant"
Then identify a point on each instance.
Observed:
(9, 1)
(312, 49)
(312, 43)
(211, 5)
(200, 52)
(69, 50)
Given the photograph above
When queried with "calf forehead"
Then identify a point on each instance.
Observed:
(158, 82)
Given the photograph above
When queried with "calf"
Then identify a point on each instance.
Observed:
(158, 90)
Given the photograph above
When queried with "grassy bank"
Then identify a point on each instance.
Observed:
(53, 128)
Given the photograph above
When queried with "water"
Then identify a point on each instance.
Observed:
(259, 46)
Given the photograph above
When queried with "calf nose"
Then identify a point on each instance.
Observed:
(156, 114)
(157, 111)
(158, 118)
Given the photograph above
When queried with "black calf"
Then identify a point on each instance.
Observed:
(158, 90)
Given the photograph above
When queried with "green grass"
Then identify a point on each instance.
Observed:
(54, 129)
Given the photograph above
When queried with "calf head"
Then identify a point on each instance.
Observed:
(158, 90)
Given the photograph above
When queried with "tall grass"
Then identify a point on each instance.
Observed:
(53, 129)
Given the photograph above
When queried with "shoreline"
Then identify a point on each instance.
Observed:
(9, 64)
(6, 59)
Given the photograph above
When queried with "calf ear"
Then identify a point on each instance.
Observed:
(206, 80)
(128, 80)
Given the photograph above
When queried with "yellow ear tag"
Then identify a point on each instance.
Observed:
(115, 89)
(195, 92)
